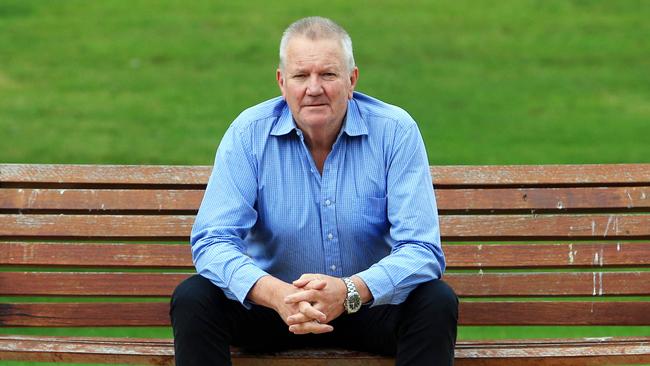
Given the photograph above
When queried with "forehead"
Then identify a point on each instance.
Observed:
(304, 52)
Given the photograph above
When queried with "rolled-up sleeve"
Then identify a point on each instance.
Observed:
(226, 215)
(416, 256)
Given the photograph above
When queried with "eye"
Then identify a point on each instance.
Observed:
(299, 76)
(329, 75)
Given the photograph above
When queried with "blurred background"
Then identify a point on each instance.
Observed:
(489, 82)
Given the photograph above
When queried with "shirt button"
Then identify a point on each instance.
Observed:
(330, 236)
(333, 267)
(328, 202)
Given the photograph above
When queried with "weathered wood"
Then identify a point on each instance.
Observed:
(490, 206)
(459, 256)
(513, 175)
(96, 255)
(545, 227)
(541, 175)
(469, 227)
(158, 227)
(614, 254)
(104, 174)
(91, 314)
(463, 200)
(544, 199)
(586, 351)
(466, 285)
(89, 283)
(100, 199)
(555, 313)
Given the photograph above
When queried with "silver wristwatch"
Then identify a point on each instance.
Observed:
(352, 302)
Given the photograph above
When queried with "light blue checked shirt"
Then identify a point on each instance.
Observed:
(267, 209)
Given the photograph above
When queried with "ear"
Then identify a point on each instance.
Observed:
(354, 77)
(280, 79)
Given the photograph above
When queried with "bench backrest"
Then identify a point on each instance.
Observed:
(526, 245)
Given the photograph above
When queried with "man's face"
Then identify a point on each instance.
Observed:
(316, 83)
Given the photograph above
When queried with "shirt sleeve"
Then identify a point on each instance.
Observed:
(416, 256)
(226, 215)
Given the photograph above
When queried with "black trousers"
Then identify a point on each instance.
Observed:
(420, 331)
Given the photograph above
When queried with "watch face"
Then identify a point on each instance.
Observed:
(353, 303)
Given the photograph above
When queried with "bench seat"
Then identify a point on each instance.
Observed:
(558, 245)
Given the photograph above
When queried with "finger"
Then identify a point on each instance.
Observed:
(298, 318)
(310, 327)
(308, 295)
(301, 282)
(315, 285)
(311, 312)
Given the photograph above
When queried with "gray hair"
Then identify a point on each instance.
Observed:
(316, 28)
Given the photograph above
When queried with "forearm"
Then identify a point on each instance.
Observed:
(391, 279)
(267, 291)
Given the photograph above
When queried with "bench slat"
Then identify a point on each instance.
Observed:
(104, 174)
(579, 352)
(547, 199)
(615, 254)
(463, 200)
(471, 313)
(96, 255)
(467, 285)
(470, 227)
(541, 175)
(100, 199)
(610, 174)
(466, 256)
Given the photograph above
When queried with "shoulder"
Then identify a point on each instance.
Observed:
(375, 111)
(261, 115)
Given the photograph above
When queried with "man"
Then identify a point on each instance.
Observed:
(319, 225)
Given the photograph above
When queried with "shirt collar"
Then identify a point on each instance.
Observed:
(353, 125)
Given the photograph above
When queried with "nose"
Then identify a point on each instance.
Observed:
(314, 86)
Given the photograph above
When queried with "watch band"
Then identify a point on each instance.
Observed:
(352, 302)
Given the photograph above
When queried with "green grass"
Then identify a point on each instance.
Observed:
(490, 82)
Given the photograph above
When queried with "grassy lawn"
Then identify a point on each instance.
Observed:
(489, 82)
(158, 82)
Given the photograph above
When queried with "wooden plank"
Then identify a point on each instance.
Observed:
(544, 199)
(544, 227)
(606, 174)
(555, 313)
(551, 284)
(100, 199)
(453, 228)
(104, 174)
(85, 314)
(461, 200)
(561, 313)
(541, 175)
(96, 255)
(89, 283)
(160, 352)
(466, 285)
(614, 254)
(459, 256)
(159, 227)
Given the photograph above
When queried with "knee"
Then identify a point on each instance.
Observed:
(192, 295)
(434, 302)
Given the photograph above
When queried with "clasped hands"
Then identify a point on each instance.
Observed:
(317, 299)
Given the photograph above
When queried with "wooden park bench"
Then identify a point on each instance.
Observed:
(526, 245)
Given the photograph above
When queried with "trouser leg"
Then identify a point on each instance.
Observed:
(206, 323)
(420, 331)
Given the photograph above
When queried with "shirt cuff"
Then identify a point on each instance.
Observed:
(243, 280)
(380, 285)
